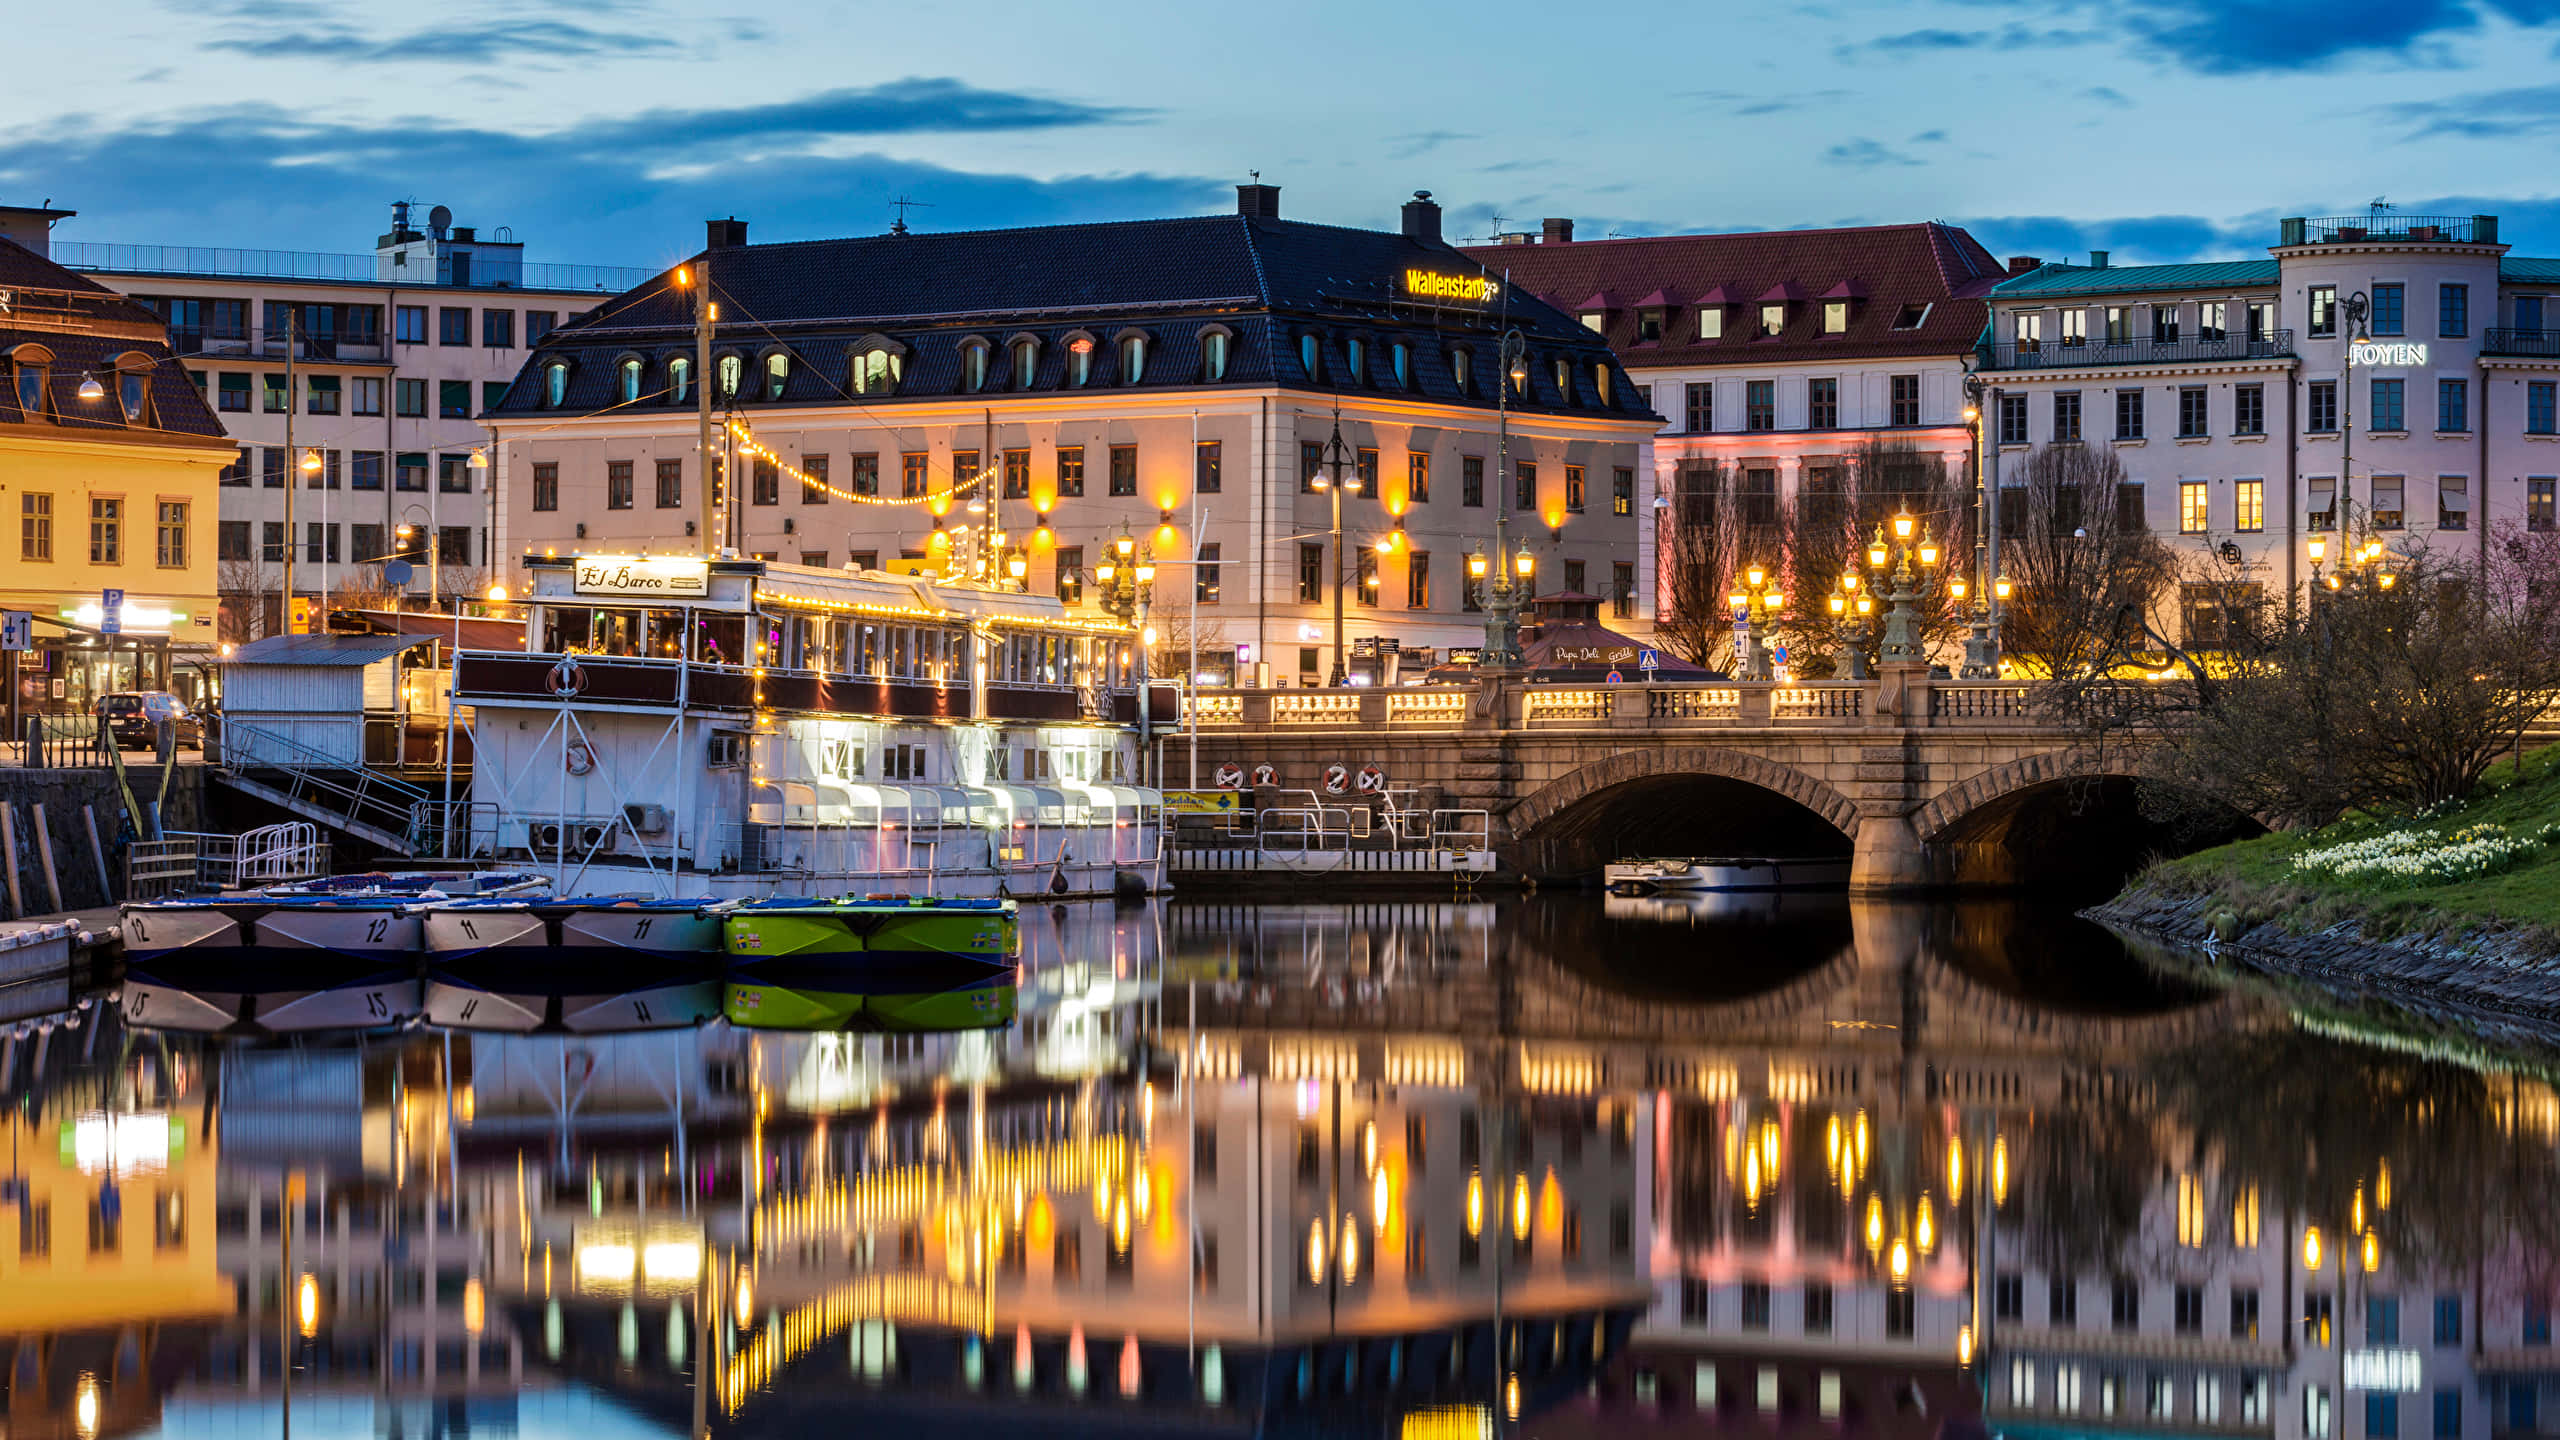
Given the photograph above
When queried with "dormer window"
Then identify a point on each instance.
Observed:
(1596, 321)
(1911, 317)
(555, 384)
(1773, 318)
(1835, 317)
(1355, 360)
(1133, 359)
(1400, 360)
(1311, 356)
(133, 393)
(1711, 322)
(733, 373)
(973, 366)
(1080, 360)
(1564, 379)
(1026, 362)
(877, 371)
(1462, 368)
(627, 381)
(30, 367)
(1217, 347)
(1604, 381)
(1649, 325)
(777, 374)
(680, 379)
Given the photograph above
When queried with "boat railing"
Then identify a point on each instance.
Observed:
(1462, 829)
(456, 829)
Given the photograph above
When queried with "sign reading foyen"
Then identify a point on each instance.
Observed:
(1465, 289)
(2368, 352)
(643, 576)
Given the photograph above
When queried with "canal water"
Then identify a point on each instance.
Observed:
(1556, 1166)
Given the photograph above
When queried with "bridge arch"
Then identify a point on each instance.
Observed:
(1561, 828)
(2067, 815)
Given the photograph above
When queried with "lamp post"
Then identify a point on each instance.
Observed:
(1982, 638)
(1755, 601)
(425, 531)
(1502, 599)
(1902, 643)
(1333, 485)
(2356, 307)
(1128, 577)
(1852, 606)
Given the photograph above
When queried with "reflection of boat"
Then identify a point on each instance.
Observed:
(335, 953)
(1689, 907)
(579, 963)
(875, 963)
(1738, 872)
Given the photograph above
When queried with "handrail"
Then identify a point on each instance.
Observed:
(2065, 354)
(393, 801)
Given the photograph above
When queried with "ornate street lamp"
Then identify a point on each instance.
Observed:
(1853, 607)
(1334, 484)
(1502, 599)
(1902, 644)
(1756, 602)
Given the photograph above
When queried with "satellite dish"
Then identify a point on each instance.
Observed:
(439, 219)
(398, 572)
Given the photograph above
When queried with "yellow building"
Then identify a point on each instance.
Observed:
(109, 459)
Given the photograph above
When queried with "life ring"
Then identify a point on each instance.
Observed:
(1265, 776)
(1336, 779)
(580, 757)
(1230, 777)
(1372, 779)
(566, 678)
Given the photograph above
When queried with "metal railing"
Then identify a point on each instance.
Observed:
(364, 796)
(2387, 225)
(2061, 355)
(489, 273)
(2509, 341)
(264, 856)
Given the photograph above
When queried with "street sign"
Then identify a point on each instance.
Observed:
(1648, 660)
(110, 599)
(17, 630)
(397, 572)
(1779, 654)
(110, 624)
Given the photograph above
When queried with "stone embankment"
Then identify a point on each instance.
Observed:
(2480, 966)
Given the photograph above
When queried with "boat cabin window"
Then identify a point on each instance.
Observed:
(613, 630)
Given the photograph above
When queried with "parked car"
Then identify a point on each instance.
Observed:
(134, 716)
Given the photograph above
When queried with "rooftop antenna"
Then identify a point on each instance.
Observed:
(903, 204)
(2378, 204)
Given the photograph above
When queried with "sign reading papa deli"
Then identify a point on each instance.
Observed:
(643, 576)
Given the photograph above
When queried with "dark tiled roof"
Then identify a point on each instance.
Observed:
(1270, 283)
(22, 267)
(1889, 266)
(86, 327)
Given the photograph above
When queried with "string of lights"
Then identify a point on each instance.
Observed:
(754, 449)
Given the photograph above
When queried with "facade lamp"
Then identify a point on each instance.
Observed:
(497, 594)
(1146, 574)
(310, 461)
(1017, 567)
(1520, 371)
(1737, 600)
(1839, 605)
(1386, 545)
(1126, 545)
(1105, 571)
(1928, 553)
(90, 389)
(1754, 576)
(2319, 549)
(1957, 589)
(1878, 555)
(1849, 581)
(2001, 587)
(479, 458)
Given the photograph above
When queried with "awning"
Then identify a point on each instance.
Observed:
(324, 649)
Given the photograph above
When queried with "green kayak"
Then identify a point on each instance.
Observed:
(906, 963)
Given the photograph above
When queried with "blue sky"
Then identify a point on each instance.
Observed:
(605, 131)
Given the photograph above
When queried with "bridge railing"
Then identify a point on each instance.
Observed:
(1708, 705)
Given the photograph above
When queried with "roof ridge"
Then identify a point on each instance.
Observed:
(1253, 252)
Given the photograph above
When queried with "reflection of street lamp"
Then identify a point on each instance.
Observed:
(1128, 578)
(1901, 633)
(1755, 601)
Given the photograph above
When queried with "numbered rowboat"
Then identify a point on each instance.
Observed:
(873, 963)
(585, 964)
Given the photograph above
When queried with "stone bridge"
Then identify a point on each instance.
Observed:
(1920, 782)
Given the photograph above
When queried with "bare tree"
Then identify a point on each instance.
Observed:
(243, 601)
(1838, 512)
(1696, 548)
(2074, 545)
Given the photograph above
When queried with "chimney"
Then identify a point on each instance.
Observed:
(1258, 202)
(1422, 217)
(31, 225)
(2021, 264)
(1558, 231)
(2097, 259)
(724, 234)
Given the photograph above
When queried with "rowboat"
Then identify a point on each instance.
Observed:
(875, 962)
(579, 963)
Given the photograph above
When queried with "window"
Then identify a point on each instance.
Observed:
(1310, 466)
(777, 375)
(2324, 503)
(1622, 590)
(1755, 1306)
(2026, 327)
(2453, 406)
(2191, 411)
(2390, 410)
(2119, 325)
(231, 540)
(2189, 1306)
(106, 530)
(322, 396)
(1133, 359)
(2453, 502)
(1524, 486)
(1564, 382)
(2541, 407)
(2529, 312)
(546, 485)
(1773, 318)
(2124, 1304)
(813, 478)
(1901, 1314)
(409, 399)
(271, 467)
(1702, 407)
(1822, 403)
(319, 543)
(538, 324)
(453, 325)
(2389, 317)
(1573, 575)
(231, 392)
(680, 380)
(1417, 477)
(1204, 575)
(1070, 472)
(493, 393)
(2022, 1383)
(2192, 507)
(1622, 491)
(1835, 317)
(2315, 1411)
(498, 329)
(35, 525)
(2249, 506)
(453, 399)
(2320, 409)
(409, 324)
(2164, 324)
(453, 474)
(1462, 369)
(1573, 489)
(278, 397)
(1070, 574)
(1124, 469)
(2381, 1411)
(367, 470)
(2075, 327)
(671, 483)
(1310, 574)
(1365, 569)
(2448, 1415)
(912, 472)
(2244, 1314)
(2453, 311)
(2387, 510)
(1471, 481)
(410, 471)
(1906, 400)
(2248, 409)
(2448, 1320)
(366, 396)
(2062, 1304)
(2129, 413)
(2541, 498)
(617, 485)
(764, 482)
(2008, 1296)
(271, 540)
(453, 545)
(237, 472)
(2537, 1320)
(2012, 420)
(2213, 321)
(1760, 405)
(2324, 312)
(1417, 581)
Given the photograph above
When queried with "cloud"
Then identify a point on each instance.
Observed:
(1938, 41)
(2107, 95)
(1930, 137)
(2482, 115)
(1734, 102)
(2135, 239)
(1419, 142)
(1865, 154)
(2246, 37)
(258, 175)
(483, 43)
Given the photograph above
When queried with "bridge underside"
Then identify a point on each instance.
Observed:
(1674, 815)
(2085, 833)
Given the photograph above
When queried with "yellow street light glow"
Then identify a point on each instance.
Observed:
(1525, 563)
(1386, 544)
(84, 1406)
(1957, 589)
(1476, 565)
(1928, 553)
(1900, 1261)
(306, 1304)
(1875, 1223)
(1924, 1226)
(1755, 577)
(1315, 1252)
(2372, 1253)
(1903, 525)
(1350, 1249)
(1378, 1198)
(746, 1298)
(1955, 1169)
(475, 1306)
(310, 462)
(1964, 1345)
(1877, 555)
(1737, 599)
(671, 1260)
(1520, 1207)
(2001, 587)
(684, 277)
(1772, 600)
(1849, 580)
(1999, 1170)
(1475, 1204)
(1837, 606)
(2319, 549)
(497, 594)
(2311, 1247)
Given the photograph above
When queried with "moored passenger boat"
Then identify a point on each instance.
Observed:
(887, 962)
(585, 964)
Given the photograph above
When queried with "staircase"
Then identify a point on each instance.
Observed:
(322, 788)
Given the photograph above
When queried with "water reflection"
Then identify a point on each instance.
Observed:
(1327, 1169)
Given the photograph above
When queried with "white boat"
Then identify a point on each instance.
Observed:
(1673, 874)
(584, 964)
(742, 729)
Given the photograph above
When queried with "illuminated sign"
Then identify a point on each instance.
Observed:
(642, 576)
(109, 1143)
(1465, 289)
(2367, 352)
(2383, 1369)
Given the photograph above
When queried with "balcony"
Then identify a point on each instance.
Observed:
(2387, 226)
(2065, 355)
(212, 262)
(2540, 344)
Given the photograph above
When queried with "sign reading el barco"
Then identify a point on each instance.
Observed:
(1464, 289)
(2368, 352)
(642, 575)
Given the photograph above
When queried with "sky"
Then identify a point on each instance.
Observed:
(606, 131)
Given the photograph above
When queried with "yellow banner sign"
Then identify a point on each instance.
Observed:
(1203, 802)
(1432, 285)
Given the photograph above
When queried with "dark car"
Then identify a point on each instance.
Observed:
(134, 716)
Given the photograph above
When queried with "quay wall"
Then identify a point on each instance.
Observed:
(64, 793)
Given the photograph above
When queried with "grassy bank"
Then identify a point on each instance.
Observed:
(2423, 889)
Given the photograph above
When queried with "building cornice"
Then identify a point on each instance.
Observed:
(21, 436)
(2095, 373)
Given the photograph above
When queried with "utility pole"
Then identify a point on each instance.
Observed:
(698, 277)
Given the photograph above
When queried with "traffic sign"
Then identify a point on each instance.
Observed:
(398, 572)
(17, 630)
(111, 624)
(1648, 660)
(110, 599)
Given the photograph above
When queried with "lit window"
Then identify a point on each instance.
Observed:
(1133, 359)
(1835, 317)
(1773, 318)
(680, 379)
(732, 372)
(628, 389)
(1710, 322)
(877, 371)
(555, 384)
(2249, 505)
(2192, 506)
(777, 374)
(1080, 360)
(973, 367)
(1026, 363)
(1462, 368)
(133, 387)
(1214, 348)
